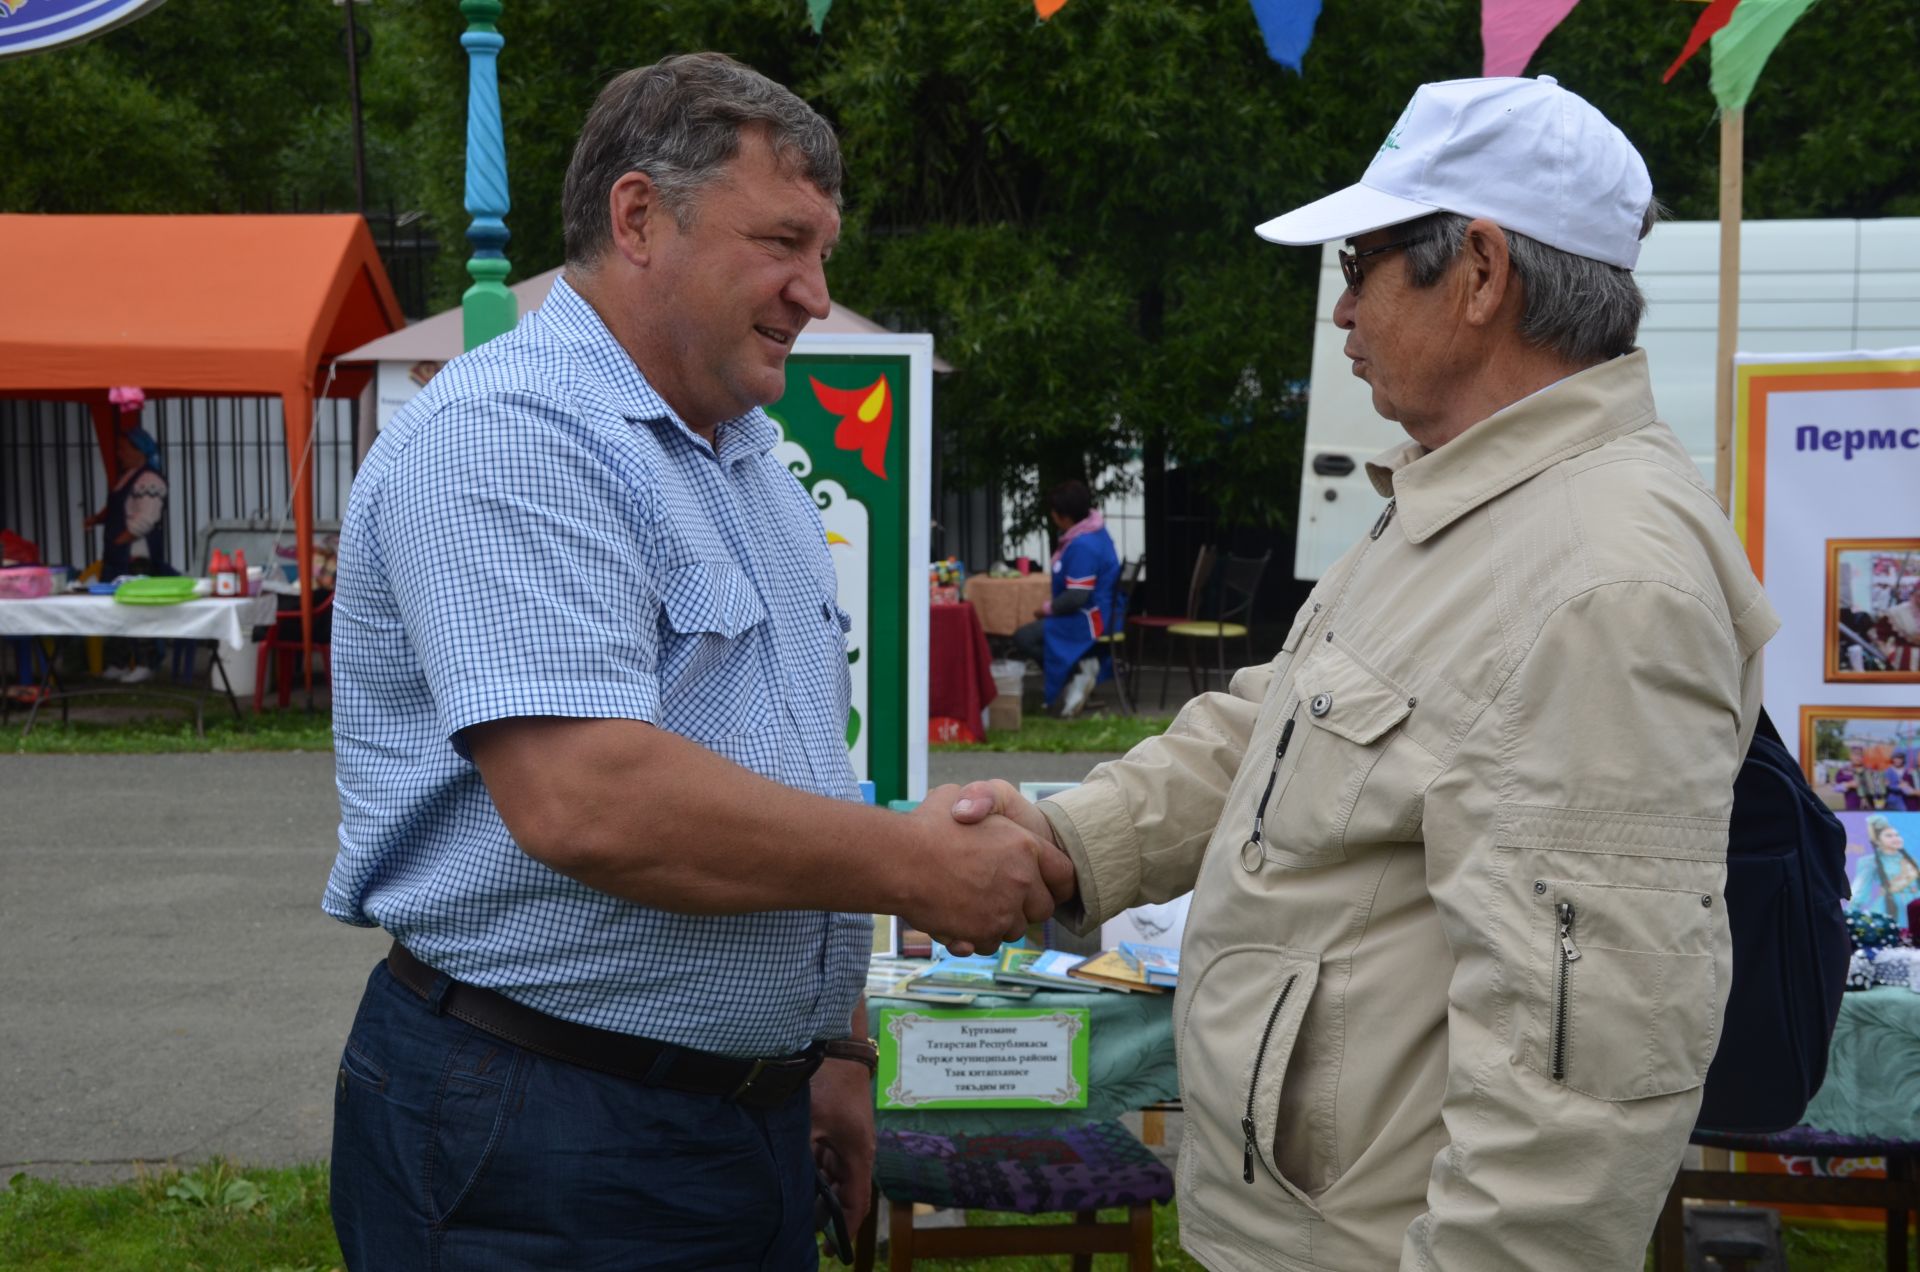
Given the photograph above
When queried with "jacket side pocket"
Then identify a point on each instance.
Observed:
(1237, 1032)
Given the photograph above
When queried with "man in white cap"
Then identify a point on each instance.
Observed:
(1457, 951)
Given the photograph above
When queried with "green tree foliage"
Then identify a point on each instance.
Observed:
(1068, 206)
(201, 106)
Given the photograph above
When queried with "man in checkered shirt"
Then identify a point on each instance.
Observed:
(590, 704)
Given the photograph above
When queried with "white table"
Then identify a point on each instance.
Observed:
(224, 620)
(227, 619)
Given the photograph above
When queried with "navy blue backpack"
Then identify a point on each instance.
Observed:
(1786, 898)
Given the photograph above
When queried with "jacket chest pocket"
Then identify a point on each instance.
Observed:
(1347, 774)
(1624, 997)
(712, 681)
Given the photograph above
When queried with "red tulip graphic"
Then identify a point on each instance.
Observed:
(866, 420)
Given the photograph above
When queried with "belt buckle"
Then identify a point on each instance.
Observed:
(746, 1083)
(795, 1068)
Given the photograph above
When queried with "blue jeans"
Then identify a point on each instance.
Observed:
(456, 1150)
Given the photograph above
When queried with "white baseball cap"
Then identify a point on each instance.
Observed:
(1524, 153)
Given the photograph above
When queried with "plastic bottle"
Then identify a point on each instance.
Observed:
(221, 570)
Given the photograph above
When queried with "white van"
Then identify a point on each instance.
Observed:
(1805, 287)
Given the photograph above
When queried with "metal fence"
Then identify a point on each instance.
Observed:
(224, 459)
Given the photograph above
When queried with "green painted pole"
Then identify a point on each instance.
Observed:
(487, 308)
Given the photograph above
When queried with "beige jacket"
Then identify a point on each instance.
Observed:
(1453, 1005)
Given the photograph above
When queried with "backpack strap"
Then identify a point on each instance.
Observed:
(1764, 728)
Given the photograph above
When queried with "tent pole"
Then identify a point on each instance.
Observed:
(1732, 147)
(106, 431)
(297, 408)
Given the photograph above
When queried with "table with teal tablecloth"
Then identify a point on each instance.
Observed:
(1130, 1063)
(1873, 1068)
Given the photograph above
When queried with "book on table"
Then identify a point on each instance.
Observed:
(1039, 969)
(1111, 970)
(974, 973)
(1160, 964)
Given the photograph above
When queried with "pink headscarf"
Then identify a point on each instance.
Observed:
(1093, 521)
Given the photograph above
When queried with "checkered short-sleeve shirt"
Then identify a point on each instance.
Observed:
(537, 534)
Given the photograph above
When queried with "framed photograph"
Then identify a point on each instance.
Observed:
(1873, 610)
(1863, 759)
(1037, 791)
(1881, 864)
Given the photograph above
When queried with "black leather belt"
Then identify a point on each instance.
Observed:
(757, 1083)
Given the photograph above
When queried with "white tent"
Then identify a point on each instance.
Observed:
(408, 358)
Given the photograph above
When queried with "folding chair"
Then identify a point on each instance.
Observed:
(1196, 589)
(1239, 585)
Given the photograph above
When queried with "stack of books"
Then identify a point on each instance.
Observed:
(1021, 970)
(1040, 969)
(1160, 964)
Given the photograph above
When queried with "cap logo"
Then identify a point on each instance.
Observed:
(1393, 135)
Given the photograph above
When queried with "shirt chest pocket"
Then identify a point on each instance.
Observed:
(1347, 773)
(712, 661)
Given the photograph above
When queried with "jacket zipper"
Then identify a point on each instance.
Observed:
(1279, 754)
(1563, 990)
(1259, 1059)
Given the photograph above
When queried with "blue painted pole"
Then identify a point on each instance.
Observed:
(487, 308)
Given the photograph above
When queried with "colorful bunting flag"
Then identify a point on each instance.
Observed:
(1287, 27)
(1710, 22)
(817, 12)
(1741, 50)
(1047, 8)
(1511, 31)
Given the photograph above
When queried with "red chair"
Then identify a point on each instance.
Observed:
(1144, 623)
(282, 649)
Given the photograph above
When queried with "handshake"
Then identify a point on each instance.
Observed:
(989, 867)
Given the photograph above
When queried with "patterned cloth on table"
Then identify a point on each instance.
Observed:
(1087, 1167)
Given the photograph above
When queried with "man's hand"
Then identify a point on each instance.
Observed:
(985, 880)
(843, 1137)
(980, 800)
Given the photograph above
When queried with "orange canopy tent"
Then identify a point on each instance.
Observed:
(193, 306)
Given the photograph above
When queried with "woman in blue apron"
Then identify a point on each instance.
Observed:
(1064, 631)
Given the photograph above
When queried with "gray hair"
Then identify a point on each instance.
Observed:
(1584, 310)
(679, 121)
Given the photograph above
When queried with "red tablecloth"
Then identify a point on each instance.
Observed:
(959, 674)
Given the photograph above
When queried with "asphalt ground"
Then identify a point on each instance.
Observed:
(170, 990)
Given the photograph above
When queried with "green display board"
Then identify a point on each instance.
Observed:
(856, 425)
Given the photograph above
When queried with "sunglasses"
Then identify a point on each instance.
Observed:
(1350, 261)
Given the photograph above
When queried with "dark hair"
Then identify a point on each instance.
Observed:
(1071, 499)
(679, 121)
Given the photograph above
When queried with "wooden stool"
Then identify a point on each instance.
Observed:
(1076, 1169)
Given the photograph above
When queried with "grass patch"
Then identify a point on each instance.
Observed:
(1082, 733)
(219, 1217)
(213, 1218)
(171, 730)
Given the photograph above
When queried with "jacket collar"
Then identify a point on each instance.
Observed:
(577, 323)
(1433, 489)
